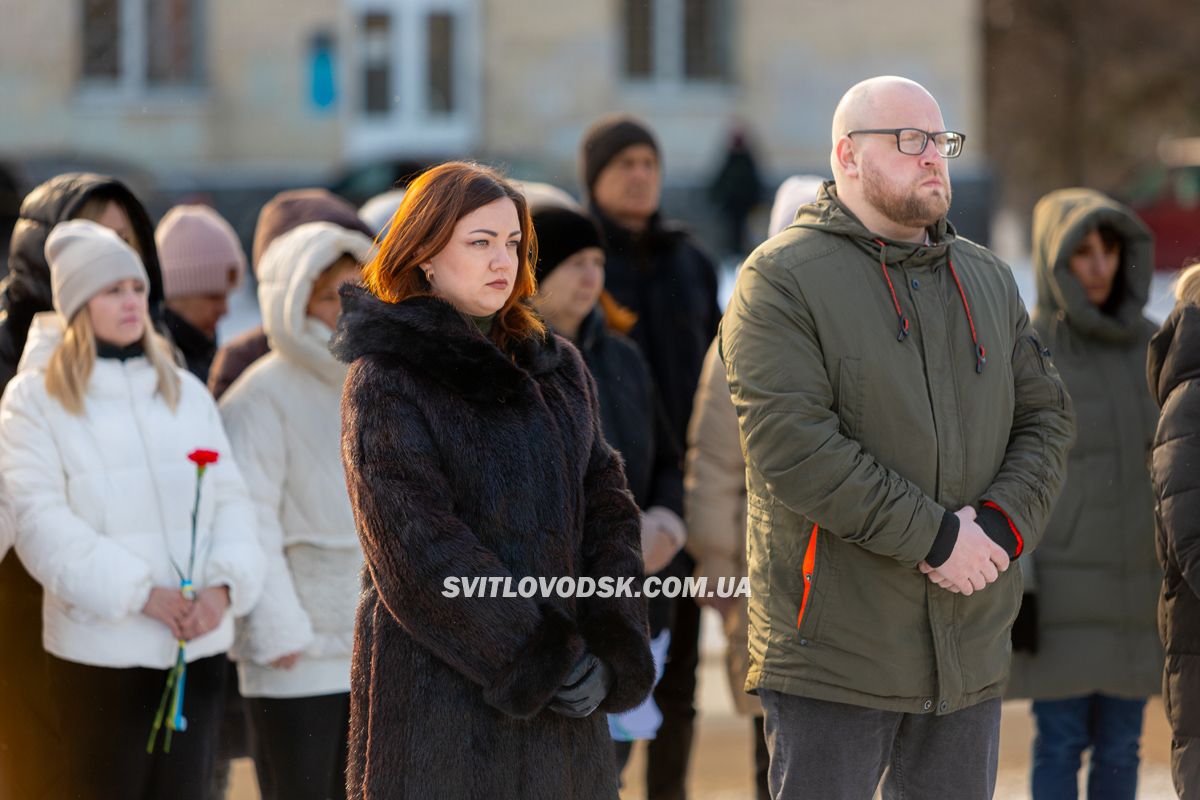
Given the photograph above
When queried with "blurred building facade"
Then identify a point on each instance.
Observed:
(234, 90)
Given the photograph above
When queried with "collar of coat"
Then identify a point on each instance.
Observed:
(828, 214)
(432, 337)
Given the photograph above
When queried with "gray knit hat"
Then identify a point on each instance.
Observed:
(84, 259)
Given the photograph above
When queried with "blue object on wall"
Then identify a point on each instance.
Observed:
(322, 81)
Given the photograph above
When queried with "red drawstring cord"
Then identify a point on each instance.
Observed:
(980, 353)
(895, 300)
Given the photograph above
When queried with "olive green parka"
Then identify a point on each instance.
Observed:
(879, 384)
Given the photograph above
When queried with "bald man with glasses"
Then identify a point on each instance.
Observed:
(906, 437)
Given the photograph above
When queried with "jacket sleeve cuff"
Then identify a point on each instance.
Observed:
(526, 686)
(943, 543)
(1000, 529)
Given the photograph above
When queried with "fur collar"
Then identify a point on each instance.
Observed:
(432, 337)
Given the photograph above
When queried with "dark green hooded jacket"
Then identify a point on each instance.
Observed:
(879, 384)
(1095, 572)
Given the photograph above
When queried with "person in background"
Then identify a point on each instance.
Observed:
(715, 498)
(282, 212)
(658, 271)
(1173, 371)
(202, 262)
(473, 448)
(377, 212)
(284, 422)
(28, 728)
(1085, 644)
(572, 301)
(736, 190)
(95, 436)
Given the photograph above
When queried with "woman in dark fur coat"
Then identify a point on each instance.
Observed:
(473, 449)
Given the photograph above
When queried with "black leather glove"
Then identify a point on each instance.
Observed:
(584, 688)
(1025, 628)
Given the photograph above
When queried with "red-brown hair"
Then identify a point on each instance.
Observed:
(423, 226)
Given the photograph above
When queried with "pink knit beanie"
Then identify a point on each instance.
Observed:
(199, 251)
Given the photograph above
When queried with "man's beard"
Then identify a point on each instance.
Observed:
(909, 210)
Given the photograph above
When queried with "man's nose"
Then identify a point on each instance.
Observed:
(930, 155)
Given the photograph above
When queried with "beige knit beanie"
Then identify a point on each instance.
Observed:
(85, 258)
(199, 251)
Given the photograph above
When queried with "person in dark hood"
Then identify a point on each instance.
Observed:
(75, 195)
(572, 300)
(658, 271)
(28, 730)
(1173, 370)
(282, 212)
(1086, 647)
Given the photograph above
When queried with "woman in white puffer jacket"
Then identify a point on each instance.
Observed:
(283, 417)
(95, 436)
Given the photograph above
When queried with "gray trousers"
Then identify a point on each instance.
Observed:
(833, 751)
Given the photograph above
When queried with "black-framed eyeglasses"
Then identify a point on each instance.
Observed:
(912, 141)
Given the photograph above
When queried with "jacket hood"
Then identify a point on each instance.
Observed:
(288, 270)
(1061, 220)
(26, 289)
(46, 332)
(433, 338)
(793, 193)
(828, 214)
(1174, 355)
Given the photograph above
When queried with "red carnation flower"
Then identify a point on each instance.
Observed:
(202, 458)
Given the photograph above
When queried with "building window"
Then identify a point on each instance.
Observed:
(135, 45)
(376, 75)
(639, 38)
(102, 39)
(418, 83)
(673, 41)
(173, 43)
(441, 63)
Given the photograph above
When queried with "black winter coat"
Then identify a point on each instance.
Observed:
(633, 417)
(26, 289)
(1174, 373)
(464, 461)
(635, 424)
(196, 348)
(663, 276)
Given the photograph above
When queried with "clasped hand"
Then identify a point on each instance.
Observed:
(975, 561)
(188, 619)
(584, 688)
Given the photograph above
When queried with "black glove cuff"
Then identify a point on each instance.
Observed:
(996, 526)
(943, 543)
